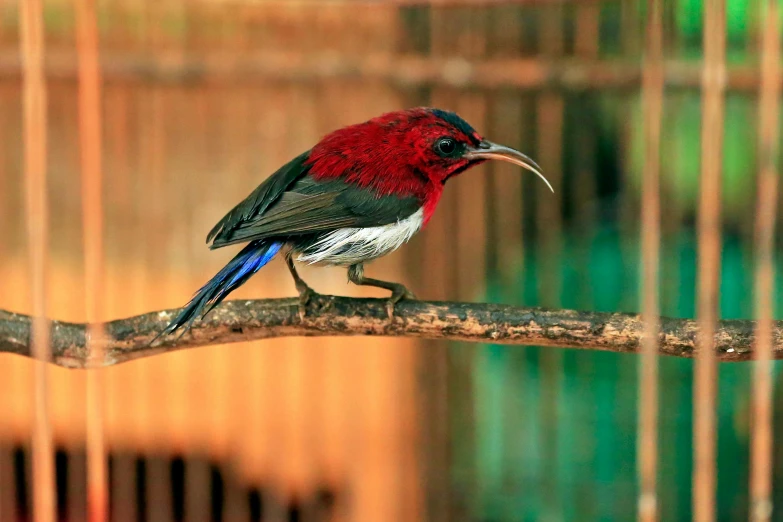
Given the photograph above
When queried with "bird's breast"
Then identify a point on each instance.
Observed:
(348, 246)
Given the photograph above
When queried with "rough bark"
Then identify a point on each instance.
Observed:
(235, 321)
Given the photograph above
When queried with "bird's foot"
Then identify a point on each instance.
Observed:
(399, 292)
(306, 294)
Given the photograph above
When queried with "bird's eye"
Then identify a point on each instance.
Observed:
(446, 146)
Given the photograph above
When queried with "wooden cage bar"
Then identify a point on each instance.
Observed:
(709, 231)
(652, 100)
(550, 111)
(400, 70)
(35, 155)
(91, 146)
(761, 507)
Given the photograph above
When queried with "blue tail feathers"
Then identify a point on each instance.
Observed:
(246, 263)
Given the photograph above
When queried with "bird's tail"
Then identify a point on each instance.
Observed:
(246, 263)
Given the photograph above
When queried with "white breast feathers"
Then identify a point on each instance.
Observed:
(348, 246)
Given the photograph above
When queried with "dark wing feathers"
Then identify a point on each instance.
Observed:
(310, 206)
(259, 200)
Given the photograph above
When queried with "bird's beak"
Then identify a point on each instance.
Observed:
(487, 150)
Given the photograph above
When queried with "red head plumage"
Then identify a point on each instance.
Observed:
(407, 153)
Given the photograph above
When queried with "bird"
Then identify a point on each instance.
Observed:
(358, 194)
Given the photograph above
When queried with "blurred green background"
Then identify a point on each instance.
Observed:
(589, 448)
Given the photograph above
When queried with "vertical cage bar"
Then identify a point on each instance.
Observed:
(90, 147)
(588, 29)
(197, 475)
(709, 230)
(8, 492)
(238, 148)
(769, 106)
(652, 101)
(550, 112)
(583, 191)
(198, 479)
(75, 481)
(122, 481)
(629, 34)
(440, 482)
(471, 261)
(7, 484)
(159, 501)
(35, 154)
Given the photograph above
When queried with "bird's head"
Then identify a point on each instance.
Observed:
(401, 151)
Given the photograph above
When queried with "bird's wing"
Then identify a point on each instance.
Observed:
(311, 206)
(260, 199)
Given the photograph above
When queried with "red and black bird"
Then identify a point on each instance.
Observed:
(357, 195)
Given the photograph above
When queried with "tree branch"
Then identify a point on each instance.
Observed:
(234, 321)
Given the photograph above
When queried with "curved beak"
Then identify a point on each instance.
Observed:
(487, 150)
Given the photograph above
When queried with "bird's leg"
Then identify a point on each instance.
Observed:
(305, 292)
(399, 292)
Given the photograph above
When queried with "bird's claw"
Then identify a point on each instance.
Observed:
(398, 294)
(306, 294)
